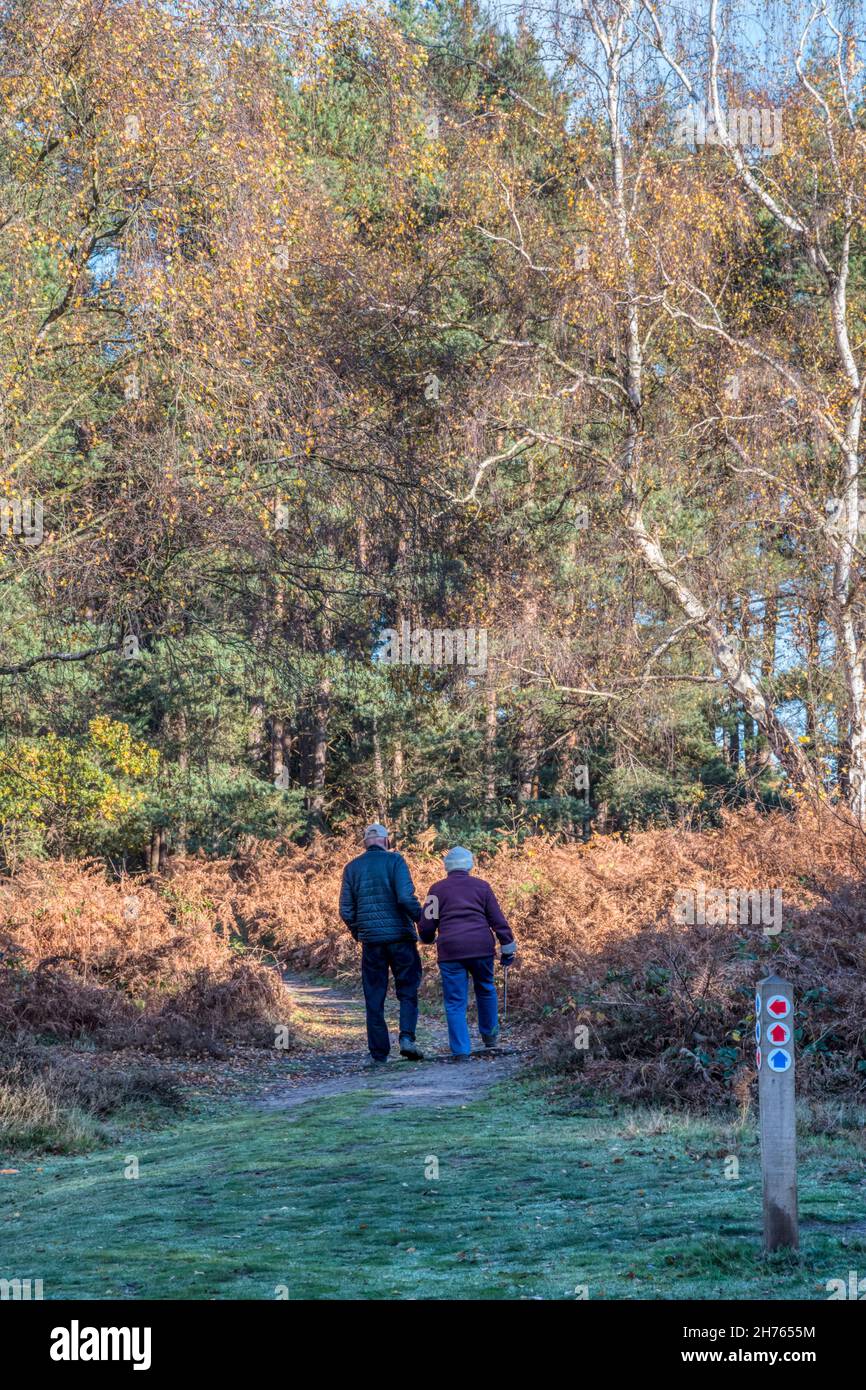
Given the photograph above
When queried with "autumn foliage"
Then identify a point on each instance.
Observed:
(120, 964)
(668, 1007)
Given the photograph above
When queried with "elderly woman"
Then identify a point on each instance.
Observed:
(462, 912)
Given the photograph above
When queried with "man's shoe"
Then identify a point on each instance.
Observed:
(378, 1062)
(409, 1048)
(461, 1057)
(490, 1039)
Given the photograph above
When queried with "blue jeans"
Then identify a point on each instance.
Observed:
(455, 989)
(405, 964)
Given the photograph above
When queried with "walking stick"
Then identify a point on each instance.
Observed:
(504, 995)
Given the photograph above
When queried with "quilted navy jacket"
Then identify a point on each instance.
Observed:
(377, 897)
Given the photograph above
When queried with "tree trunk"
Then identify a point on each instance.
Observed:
(734, 746)
(181, 830)
(491, 725)
(277, 758)
(397, 780)
(843, 758)
(256, 701)
(256, 735)
(157, 853)
(322, 710)
(527, 758)
(856, 741)
(761, 752)
(378, 772)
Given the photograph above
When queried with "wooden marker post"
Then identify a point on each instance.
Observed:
(774, 1038)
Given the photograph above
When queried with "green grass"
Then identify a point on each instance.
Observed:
(59, 1106)
(331, 1201)
(63, 1131)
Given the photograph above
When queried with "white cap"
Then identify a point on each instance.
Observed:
(459, 858)
(375, 832)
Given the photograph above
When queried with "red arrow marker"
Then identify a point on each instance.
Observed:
(778, 1006)
(778, 1033)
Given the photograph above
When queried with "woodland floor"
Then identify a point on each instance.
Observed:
(312, 1177)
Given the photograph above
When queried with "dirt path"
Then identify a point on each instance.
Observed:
(332, 1057)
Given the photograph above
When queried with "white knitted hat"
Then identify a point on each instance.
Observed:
(459, 858)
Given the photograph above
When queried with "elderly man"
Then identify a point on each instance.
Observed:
(379, 906)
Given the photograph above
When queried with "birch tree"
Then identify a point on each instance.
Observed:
(659, 242)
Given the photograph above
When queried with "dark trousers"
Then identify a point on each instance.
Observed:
(402, 958)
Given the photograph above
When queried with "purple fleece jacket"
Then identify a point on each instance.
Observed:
(468, 917)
